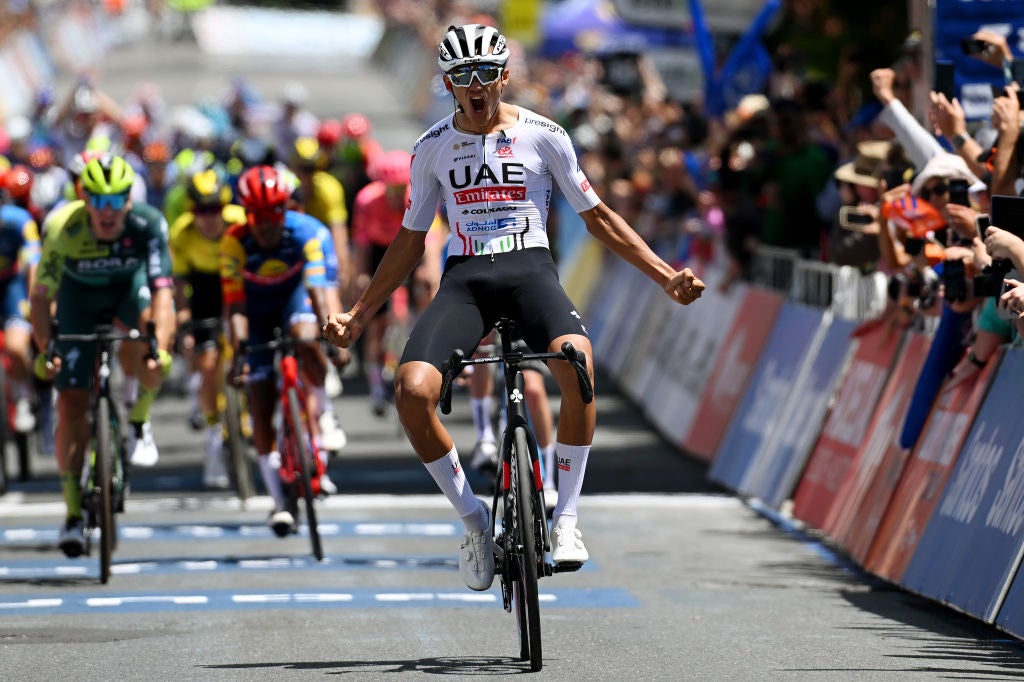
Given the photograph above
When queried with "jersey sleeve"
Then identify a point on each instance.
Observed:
(314, 271)
(30, 251)
(332, 193)
(424, 189)
(556, 150)
(51, 262)
(178, 244)
(232, 262)
(158, 255)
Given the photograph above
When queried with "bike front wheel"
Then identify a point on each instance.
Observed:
(103, 486)
(525, 591)
(305, 462)
(241, 466)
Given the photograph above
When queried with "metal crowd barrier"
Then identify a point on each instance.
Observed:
(845, 290)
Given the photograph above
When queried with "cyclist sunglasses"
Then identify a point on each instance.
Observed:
(114, 201)
(485, 73)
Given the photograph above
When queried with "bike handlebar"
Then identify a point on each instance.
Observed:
(454, 365)
(105, 333)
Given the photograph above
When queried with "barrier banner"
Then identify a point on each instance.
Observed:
(846, 425)
(864, 495)
(763, 401)
(652, 330)
(925, 475)
(626, 323)
(777, 466)
(694, 340)
(734, 365)
(972, 546)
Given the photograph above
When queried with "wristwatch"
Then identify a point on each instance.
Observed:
(959, 139)
(975, 360)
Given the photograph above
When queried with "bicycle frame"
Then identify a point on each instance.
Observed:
(523, 542)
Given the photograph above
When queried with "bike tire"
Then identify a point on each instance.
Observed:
(525, 590)
(238, 454)
(104, 484)
(22, 443)
(305, 462)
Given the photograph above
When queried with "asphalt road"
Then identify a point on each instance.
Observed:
(685, 582)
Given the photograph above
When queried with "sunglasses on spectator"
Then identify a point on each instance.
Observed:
(485, 73)
(114, 201)
(938, 189)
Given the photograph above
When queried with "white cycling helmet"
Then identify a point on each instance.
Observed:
(471, 44)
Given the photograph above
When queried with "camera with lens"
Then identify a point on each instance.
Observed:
(921, 285)
(990, 281)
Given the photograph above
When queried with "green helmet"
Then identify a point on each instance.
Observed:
(108, 174)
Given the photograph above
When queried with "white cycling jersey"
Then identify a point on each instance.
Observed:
(497, 187)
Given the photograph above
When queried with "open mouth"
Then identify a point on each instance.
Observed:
(478, 104)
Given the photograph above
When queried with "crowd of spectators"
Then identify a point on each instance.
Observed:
(823, 170)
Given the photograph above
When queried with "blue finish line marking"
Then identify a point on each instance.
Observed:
(210, 531)
(225, 600)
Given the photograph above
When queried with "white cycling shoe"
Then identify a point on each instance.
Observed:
(476, 561)
(142, 450)
(567, 548)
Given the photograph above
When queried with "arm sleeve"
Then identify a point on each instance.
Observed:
(556, 150)
(158, 255)
(424, 191)
(314, 272)
(176, 242)
(919, 143)
(51, 261)
(30, 250)
(232, 260)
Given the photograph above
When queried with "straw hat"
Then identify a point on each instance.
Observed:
(866, 167)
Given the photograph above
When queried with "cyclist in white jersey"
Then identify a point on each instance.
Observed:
(492, 163)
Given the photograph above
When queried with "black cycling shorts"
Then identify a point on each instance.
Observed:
(477, 290)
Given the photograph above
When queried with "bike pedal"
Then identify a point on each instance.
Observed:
(567, 566)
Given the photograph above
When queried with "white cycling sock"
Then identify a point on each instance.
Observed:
(270, 463)
(320, 401)
(451, 479)
(572, 463)
(548, 453)
(482, 418)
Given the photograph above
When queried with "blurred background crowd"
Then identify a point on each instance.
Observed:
(730, 135)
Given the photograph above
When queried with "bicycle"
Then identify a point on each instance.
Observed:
(105, 482)
(301, 464)
(234, 411)
(8, 431)
(522, 544)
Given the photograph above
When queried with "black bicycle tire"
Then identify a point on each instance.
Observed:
(305, 462)
(527, 520)
(23, 444)
(241, 466)
(102, 481)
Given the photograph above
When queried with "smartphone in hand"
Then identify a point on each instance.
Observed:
(945, 79)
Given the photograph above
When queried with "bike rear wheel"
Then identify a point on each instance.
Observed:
(103, 485)
(525, 591)
(241, 466)
(305, 462)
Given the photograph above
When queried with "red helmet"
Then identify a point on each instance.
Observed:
(156, 152)
(391, 168)
(18, 181)
(134, 126)
(329, 133)
(261, 188)
(41, 158)
(355, 126)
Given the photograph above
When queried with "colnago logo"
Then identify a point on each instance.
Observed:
(481, 195)
(108, 263)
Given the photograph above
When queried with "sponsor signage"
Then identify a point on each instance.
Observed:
(769, 388)
(844, 429)
(777, 466)
(972, 545)
(733, 368)
(863, 497)
(925, 475)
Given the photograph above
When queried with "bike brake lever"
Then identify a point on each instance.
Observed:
(452, 368)
(578, 360)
